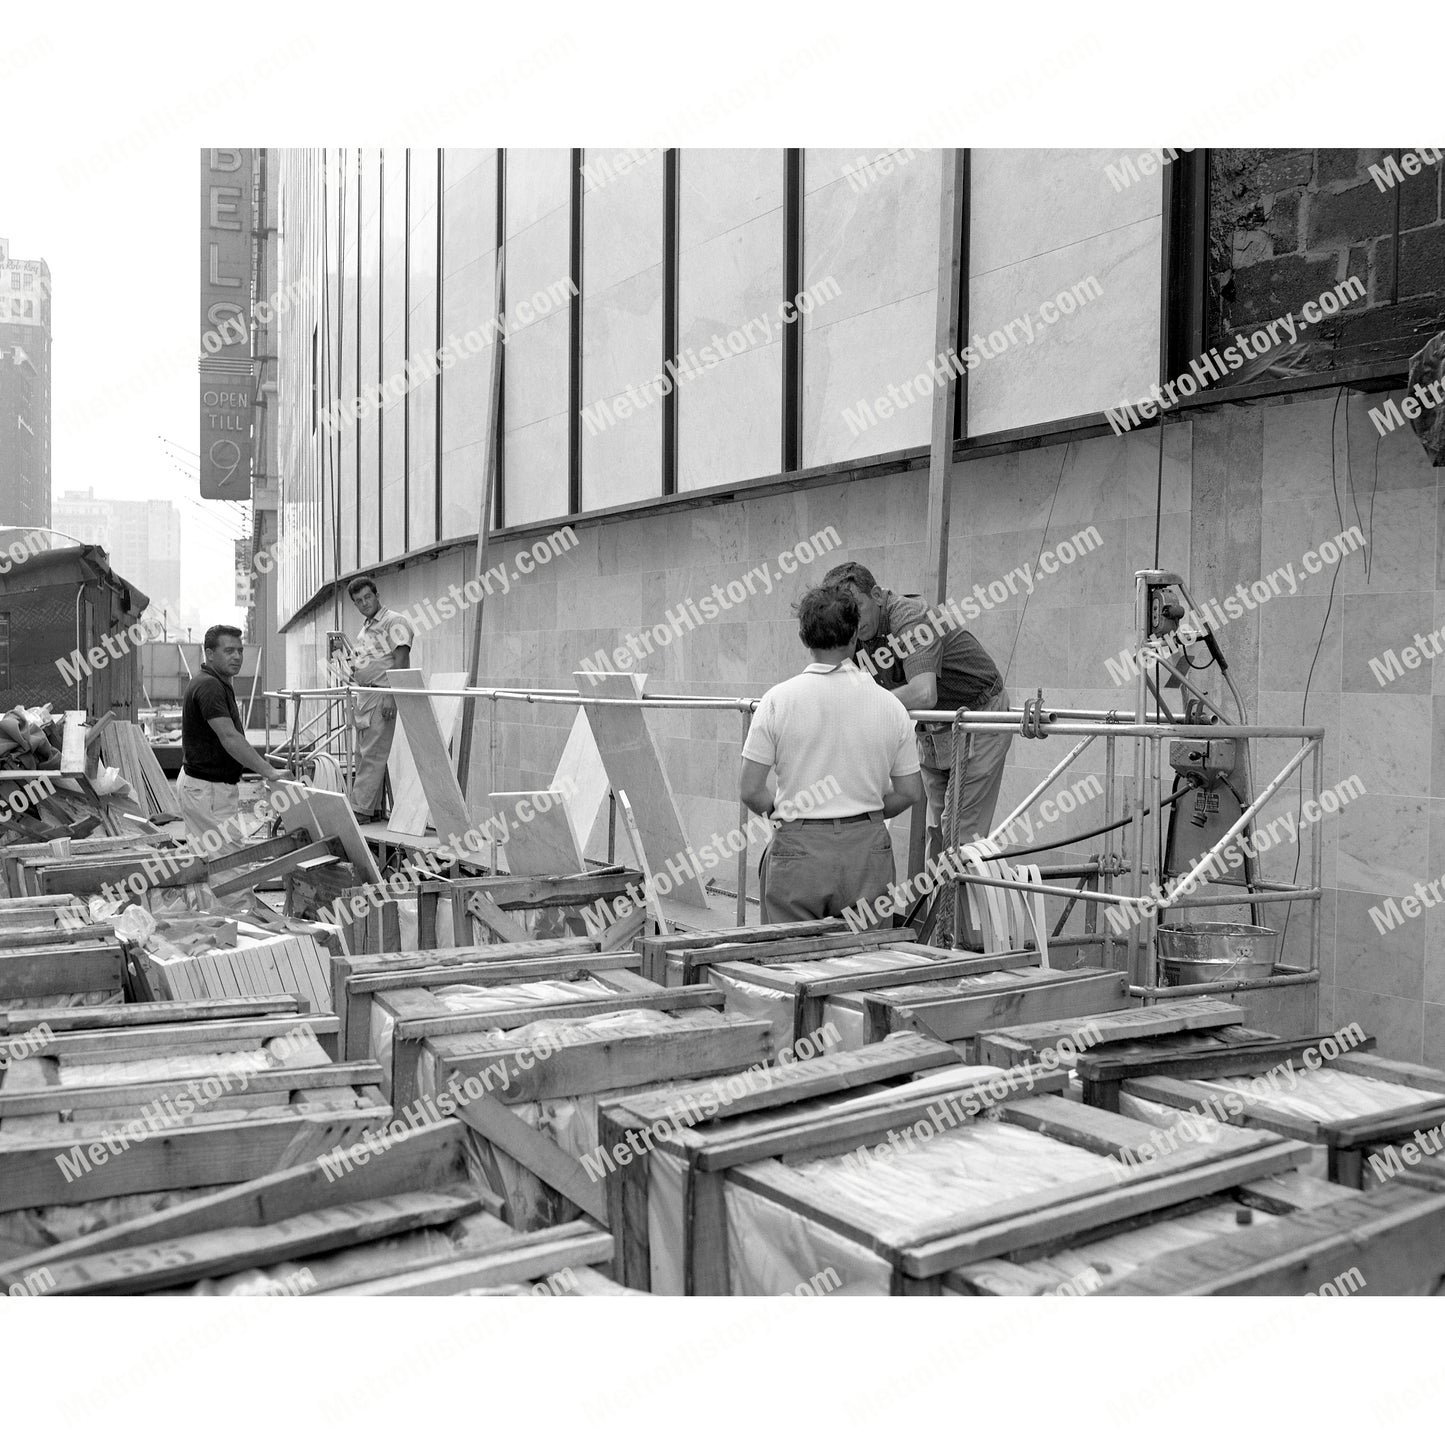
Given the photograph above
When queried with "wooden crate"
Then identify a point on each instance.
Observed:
(1181, 1075)
(376, 1229)
(135, 1015)
(134, 1135)
(355, 979)
(411, 1010)
(800, 993)
(655, 951)
(1023, 1043)
(1288, 1235)
(963, 1002)
(758, 1150)
(88, 969)
(534, 1109)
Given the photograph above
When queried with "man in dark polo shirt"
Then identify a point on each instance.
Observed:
(214, 750)
(941, 671)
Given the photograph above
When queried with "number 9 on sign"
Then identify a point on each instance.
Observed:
(225, 457)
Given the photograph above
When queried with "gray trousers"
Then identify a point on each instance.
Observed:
(815, 868)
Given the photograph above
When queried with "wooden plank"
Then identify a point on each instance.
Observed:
(1025, 1040)
(445, 802)
(1196, 1095)
(225, 1251)
(992, 1008)
(62, 1099)
(327, 815)
(1178, 1059)
(222, 1150)
(634, 766)
(62, 968)
(1051, 1214)
(898, 1056)
(132, 1015)
(431, 1157)
(511, 1016)
(1388, 1242)
(826, 1132)
(205, 1036)
(495, 1122)
(617, 1062)
(531, 1257)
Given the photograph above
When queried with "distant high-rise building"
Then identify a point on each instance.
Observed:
(142, 538)
(24, 390)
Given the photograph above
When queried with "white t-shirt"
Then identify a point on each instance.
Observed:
(832, 728)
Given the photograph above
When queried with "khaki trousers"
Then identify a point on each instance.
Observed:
(373, 747)
(815, 868)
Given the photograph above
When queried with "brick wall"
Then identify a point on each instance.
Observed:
(1287, 225)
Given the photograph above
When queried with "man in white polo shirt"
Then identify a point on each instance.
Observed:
(829, 734)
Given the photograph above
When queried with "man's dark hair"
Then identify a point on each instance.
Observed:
(854, 572)
(827, 618)
(360, 584)
(220, 630)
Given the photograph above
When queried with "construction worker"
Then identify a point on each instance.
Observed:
(844, 759)
(932, 663)
(384, 642)
(214, 750)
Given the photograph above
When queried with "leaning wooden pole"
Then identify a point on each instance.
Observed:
(484, 523)
(940, 454)
(945, 338)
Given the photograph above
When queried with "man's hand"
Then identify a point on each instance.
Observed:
(388, 709)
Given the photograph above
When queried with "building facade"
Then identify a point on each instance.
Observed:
(713, 360)
(143, 539)
(24, 390)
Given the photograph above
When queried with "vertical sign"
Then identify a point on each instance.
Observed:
(227, 391)
(245, 582)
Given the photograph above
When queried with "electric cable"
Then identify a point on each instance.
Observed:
(1320, 642)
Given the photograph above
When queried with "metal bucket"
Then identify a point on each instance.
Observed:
(1215, 952)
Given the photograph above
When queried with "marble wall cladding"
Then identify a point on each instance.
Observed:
(347, 470)
(468, 299)
(535, 396)
(368, 344)
(879, 330)
(730, 274)
(393, 351)
(422, 341)
(1078, 277)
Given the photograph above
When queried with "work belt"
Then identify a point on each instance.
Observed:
(851, 818)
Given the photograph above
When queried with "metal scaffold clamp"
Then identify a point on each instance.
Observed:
(1033, 724)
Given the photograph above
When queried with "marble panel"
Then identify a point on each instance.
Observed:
(851, 363)
(622, 228)
(1387, 740)
(1377, 624)
(538, 182)
(1083, 362)
(1433, 1043)
(536, 474)
(1391, 963)
(720, 190)
(460, 162)
(1396, 1023)
(1383, 842)
(868, 165)
(878, 245)
(536, 384)
(730, 421)
(1024, 203)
